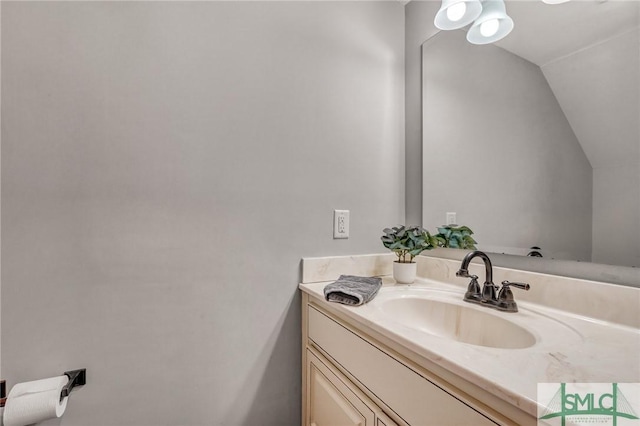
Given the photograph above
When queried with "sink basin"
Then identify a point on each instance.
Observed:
(460, 321)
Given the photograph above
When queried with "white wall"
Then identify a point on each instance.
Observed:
(597, 88)
(164, 168)
(498, 151)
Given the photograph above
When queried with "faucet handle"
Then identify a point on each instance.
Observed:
(473, 293)
(523, 286)
(505, 296)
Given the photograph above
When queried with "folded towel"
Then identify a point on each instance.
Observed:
(352, 290)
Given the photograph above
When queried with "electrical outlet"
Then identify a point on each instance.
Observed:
(340, 224)
(451, 218)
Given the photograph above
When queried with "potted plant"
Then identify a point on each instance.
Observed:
(407, 243)
(454, 236)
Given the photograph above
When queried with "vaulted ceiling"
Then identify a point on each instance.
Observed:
(589, 52)
(544, 32)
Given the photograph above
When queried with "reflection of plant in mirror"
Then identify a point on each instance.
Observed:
(458, 237)
(409, 241)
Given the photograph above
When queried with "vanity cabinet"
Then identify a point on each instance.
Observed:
(351, 378)
(334, 400)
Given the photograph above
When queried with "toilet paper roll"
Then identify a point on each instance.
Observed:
(33, 402)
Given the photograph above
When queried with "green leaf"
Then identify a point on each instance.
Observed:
(412, 240)
(466, 229)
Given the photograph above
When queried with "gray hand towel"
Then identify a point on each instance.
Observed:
(352, 290)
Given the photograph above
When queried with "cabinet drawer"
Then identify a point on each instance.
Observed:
(412, 397)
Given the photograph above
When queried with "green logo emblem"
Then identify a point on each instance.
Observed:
(588, 404)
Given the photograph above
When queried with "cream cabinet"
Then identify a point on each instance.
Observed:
(334, 401)
(350, 378)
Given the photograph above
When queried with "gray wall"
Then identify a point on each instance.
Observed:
(499, 151)
(164, 168)
(0, 191)
(616, 215)
(418, 28)
(598, 88)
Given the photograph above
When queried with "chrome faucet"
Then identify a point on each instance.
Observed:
(489, 295)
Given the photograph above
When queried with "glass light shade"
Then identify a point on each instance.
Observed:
(492, 10)
(456, 11)
(453, 20)
(554, 1)
(489, 28)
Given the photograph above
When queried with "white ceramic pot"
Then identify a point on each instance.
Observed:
(404, 273)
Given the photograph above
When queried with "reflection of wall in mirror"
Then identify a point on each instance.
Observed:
(598, 90)
(499, 151)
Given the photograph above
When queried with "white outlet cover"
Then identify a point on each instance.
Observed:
(451, 218)
(340, 224)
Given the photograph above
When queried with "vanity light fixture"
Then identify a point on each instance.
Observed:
(490, 20)
(492, 25)
(454, 14)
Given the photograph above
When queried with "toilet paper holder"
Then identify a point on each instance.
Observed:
(76, 378)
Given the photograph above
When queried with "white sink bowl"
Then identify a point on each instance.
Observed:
(462, 322)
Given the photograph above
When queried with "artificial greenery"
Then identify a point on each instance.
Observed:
(412, 240)
(458, 237)
(409, 241)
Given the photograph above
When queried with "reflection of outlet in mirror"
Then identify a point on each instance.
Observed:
(451, 218)
(341, 224)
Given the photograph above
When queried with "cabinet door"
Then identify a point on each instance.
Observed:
(330, 401)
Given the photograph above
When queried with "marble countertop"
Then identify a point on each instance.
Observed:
(569, 348)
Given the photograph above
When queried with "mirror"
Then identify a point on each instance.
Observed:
(534, 141)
